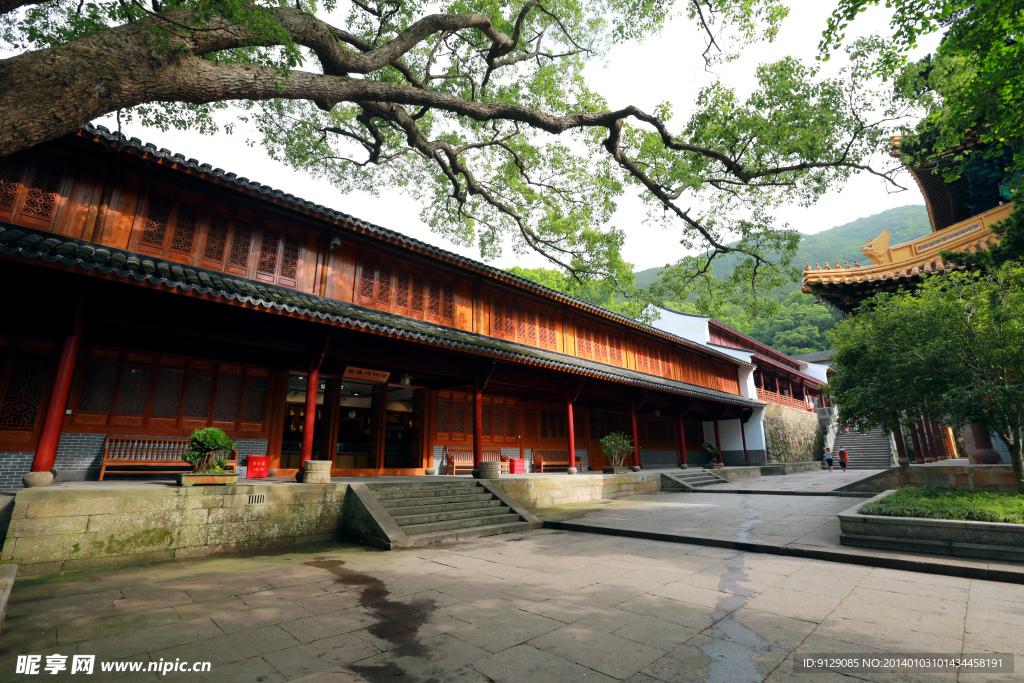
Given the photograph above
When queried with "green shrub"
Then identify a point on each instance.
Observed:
(711, 450)
(202, 446)
(617, 446)
(940, 502)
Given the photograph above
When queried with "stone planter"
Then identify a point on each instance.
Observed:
(615, 470)
(193, 479)
(976, 540)
(317, 472)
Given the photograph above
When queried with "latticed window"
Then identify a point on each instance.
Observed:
(145, 390)
(24, 374)
(396, 287)
(523, 324)
(454, 423)
(30, 191)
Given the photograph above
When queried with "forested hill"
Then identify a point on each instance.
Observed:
(841, 243)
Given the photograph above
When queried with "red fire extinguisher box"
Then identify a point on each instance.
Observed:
(258, 466)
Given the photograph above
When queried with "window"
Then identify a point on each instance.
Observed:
(30, 190)
(124, 388)
(552, 424)
(657, 432)
(454, 419)
(523, 323)
(653, 360)
(605, 422)
(25, 371)
(597, 344)
(398, 288)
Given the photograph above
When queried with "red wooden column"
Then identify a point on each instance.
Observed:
(718, 442)
(682, 440)
(984, 452)
(478, 422)
(918, 452)
(309, 426)
(636, 441)
(929, 438)
(901, 447)
(49, 436)
(570, 430)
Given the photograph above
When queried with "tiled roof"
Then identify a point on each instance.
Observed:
(149, 150)
(31, 244)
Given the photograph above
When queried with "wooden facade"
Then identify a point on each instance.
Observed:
(163, 361)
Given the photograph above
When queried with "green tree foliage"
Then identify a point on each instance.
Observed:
(1010, 247)
(949, 351)
(618, 447)
(203, 445)
(480, 109)
(968, 90)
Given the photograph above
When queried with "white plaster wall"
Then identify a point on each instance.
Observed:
(692, 327)
(709, 432)
(754, 431)
(729, 430)
(817, 372)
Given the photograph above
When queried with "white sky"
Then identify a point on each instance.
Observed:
(632, 74)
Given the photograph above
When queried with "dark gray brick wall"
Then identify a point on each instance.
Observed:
(79, 456)
(656, 459)
(13, 466)
(251, 447)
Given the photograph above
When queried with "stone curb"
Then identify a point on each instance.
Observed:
(836, 494)
(925, 564)
(7, 575)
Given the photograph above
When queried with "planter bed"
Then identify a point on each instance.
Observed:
(979, 540)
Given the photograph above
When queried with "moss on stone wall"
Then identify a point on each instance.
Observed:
(793, 435)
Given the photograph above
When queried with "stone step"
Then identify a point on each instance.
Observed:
(419, 485)
(416, 529)
(467, 533)
(449, 516)
(392, 505)
(402, 494)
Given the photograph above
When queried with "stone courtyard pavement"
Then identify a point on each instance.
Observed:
(539, 606)
(814, 482)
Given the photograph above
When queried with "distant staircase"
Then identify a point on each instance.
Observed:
(412, 514)
(689, 479)
(868, 451)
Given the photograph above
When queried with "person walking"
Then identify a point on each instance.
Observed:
(842, 458)
(828, 458)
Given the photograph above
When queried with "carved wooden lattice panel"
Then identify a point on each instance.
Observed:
(198, 394)
(270, 247)
(290, 257)
(186, 225)
(11, 172)
(216, 237)
(459, 417)
(435, 298)
(444, 415)
(134, 389)
(417, 293)
(448, 302)
(157, 217)
(241, 245)
(384, 284)
(20, 407)
(543, 330)
(487, 417)
(367, 280)
(520, 323)
(98, 386)
(167, 392)
(510, 322)
(499, 420)
(510, 421)
(531, 327)
(616, 349)
(402, 289)
(43, 190)
(229, 391)
(254, 399)
(552, 336)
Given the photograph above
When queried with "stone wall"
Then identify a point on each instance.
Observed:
(54, 529)
(536, 492)
(793, 435)
(974, 477)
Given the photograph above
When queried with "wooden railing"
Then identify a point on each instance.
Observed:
(781, 399)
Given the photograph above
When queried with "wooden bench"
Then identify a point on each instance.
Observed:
(550, 457)
(461, 458)
(135, 452)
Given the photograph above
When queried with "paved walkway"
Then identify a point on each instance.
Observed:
(816, 482)
(535, 607)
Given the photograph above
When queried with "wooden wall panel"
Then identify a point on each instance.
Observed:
(464, 304)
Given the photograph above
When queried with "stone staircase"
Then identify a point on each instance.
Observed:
(868, 451)
(689, 479)
(421, 513)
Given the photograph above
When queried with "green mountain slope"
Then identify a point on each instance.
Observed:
(841, 243)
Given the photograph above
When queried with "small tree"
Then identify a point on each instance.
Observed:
(950, 351)
(202, 446)
(617, 446)
(711, 450)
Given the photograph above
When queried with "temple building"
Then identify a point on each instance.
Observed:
(961, 213)
(147, 295)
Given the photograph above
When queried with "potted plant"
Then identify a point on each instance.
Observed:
(617, 446)
(713, 453)
(203, 447)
